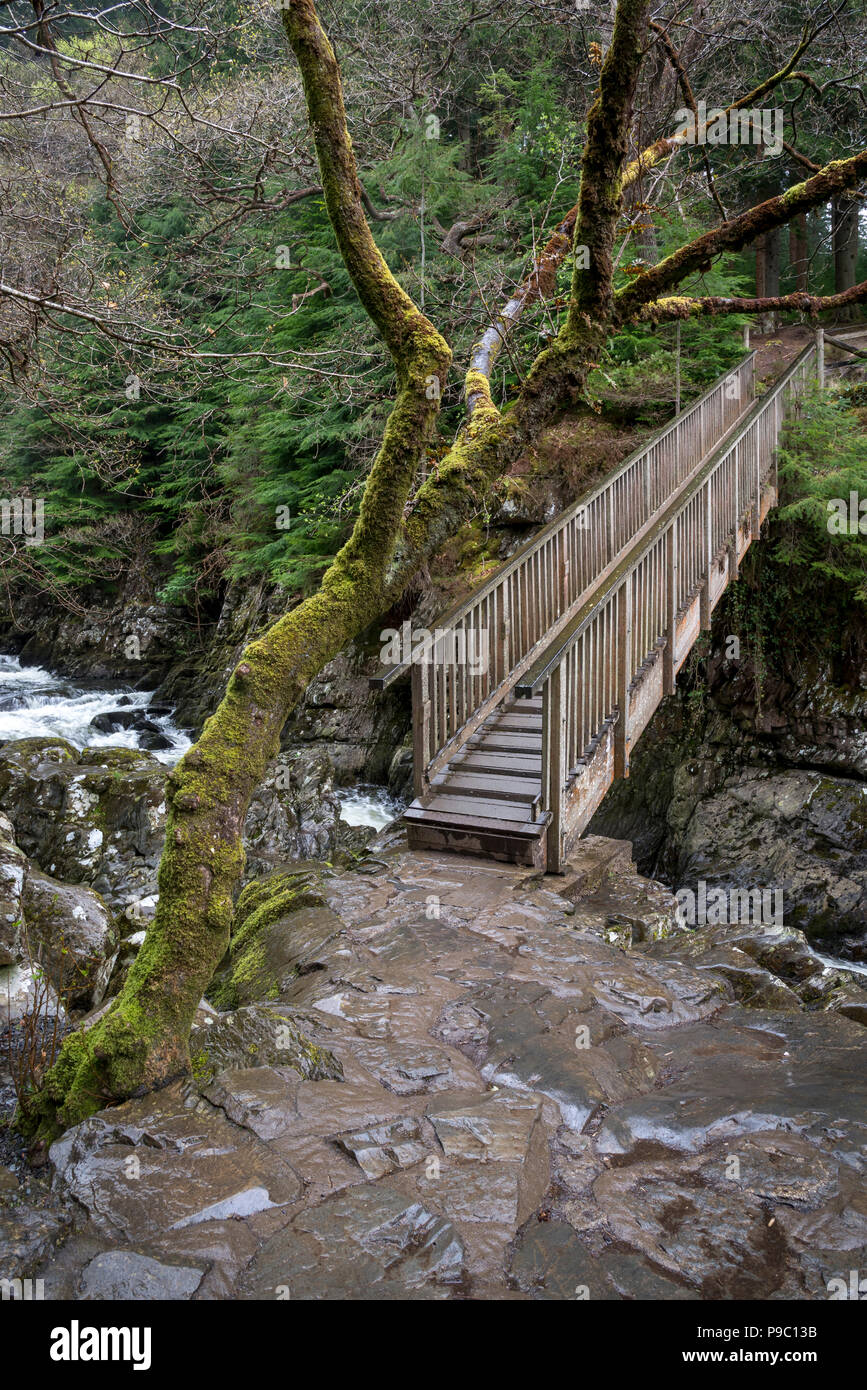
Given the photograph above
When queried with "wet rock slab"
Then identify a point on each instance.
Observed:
(800, 1072)
(123, 1274)
(486, 1088)
(153, 1165)
(552, 1263)
(28, 1235)
(371, 1243)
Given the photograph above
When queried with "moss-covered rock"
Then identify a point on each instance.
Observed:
(13, 866)
(280, 923)
(72, 934)
(95, 817)
(259, 1035)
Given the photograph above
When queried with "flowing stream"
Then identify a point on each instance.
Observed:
(368, 805)
(36, 704)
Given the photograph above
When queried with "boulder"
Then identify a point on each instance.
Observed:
(13, 865)
(294, 814)
(73, 935)
(798, 832)
(98, 816)
(281, 923)
(94, 817)
(758, 779)
(259, 1035)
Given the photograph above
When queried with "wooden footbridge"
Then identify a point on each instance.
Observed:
(530, 695)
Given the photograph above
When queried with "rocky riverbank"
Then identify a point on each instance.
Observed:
(135, 642)
(444, 1078)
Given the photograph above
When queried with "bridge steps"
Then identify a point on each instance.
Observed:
(495, 781)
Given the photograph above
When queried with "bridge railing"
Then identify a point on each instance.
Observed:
(482, 647)
(630, 616)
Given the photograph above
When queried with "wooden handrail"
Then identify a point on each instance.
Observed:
(453, 616)
(678, 565)
(601, 591)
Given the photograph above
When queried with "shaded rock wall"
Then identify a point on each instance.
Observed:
(757, 781)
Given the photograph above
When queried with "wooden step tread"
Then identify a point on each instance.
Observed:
(455, 820)
(475, 783)
(482, 760)
(507, 741)
(443, 802)
(508, 720)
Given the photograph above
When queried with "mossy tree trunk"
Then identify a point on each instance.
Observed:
(142, 1043)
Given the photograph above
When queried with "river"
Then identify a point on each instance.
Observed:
(36, 704)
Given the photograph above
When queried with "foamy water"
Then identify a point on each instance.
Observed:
(35, 704)
(368, 805)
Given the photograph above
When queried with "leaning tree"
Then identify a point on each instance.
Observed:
(142, 1041)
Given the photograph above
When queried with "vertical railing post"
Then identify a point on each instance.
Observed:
(732, 543)
(779, 417)
(704, 602)
(820, 356)
(736, 528)
(756, 523)
(564, 568)
(504, 626)
(420, 724)
(609, 523)
(624, 675)
(554, 763)
(669, 675)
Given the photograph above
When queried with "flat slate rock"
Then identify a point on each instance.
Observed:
(124, 1274)
(369, 1243)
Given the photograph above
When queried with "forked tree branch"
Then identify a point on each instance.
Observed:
(738, 232)
(541, 280)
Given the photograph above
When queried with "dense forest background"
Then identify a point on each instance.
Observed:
(218, 397)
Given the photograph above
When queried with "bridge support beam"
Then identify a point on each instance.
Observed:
(734, 564)
(704, 600)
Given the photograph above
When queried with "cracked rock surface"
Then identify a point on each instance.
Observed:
(480, 1083)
